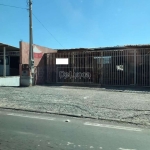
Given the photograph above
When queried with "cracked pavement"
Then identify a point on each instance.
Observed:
(124, 105)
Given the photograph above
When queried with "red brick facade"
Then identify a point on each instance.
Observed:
(39, 64)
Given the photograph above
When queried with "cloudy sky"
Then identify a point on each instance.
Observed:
(77, 23)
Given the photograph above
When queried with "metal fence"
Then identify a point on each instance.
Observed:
(107, 67)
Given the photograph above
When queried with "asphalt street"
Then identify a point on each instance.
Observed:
(28, 131)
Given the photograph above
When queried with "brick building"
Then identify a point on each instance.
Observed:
(109, 66)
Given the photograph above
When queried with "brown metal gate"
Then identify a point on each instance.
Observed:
(79, 70)
(108, 67)
(143, 67)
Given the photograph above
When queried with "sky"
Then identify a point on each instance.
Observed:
(77, 23)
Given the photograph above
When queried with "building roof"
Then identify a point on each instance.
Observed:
(8, 47)
(106, 48)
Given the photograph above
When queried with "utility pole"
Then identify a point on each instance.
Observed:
(31, 57)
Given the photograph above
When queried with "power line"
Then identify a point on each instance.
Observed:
(37, 20)
(13, 6)
(48, 31)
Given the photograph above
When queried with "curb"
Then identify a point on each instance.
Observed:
(75, 115)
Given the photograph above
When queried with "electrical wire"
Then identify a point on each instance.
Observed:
(13, 6)
(36, 19)
(48, 31)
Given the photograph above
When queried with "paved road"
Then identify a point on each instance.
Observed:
(28, 131)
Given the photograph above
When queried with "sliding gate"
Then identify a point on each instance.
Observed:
(78, 67)
(109, 67)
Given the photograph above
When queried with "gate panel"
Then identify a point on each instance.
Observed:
(108, 67)
(119, 67)
(143, 67)
(51, 68)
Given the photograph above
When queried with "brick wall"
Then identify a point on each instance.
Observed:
(39, 61)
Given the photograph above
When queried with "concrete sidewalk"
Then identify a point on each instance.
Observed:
(112, 104)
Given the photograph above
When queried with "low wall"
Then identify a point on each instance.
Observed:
(10, 81)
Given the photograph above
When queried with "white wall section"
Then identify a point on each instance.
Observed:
(10, 81)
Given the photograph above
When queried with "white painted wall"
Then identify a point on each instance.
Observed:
(10, 81)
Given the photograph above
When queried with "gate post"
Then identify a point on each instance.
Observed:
(101, 68)
(45, 68)
(149, 68)
(135, 67)
(73, 64)
(4, 61)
